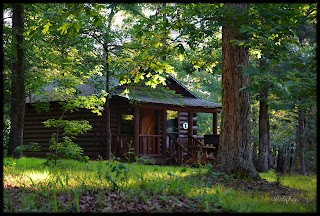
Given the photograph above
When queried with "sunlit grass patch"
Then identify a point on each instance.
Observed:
(306, 184)
(239, 201)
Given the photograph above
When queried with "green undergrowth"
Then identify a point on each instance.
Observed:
(109, 186)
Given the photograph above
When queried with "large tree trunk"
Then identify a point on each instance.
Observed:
(17, 83)
(234, 154)
(264, 148)
(301, 139)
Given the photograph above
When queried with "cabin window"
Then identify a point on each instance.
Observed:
(126, 123)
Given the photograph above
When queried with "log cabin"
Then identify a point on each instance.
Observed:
(148, 122)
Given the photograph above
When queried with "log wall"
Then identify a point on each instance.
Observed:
(92, 141)
(183, 118)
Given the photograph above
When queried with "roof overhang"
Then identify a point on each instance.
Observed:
(159, 99)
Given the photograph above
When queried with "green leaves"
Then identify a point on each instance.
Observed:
(71, 127)
(46, 28)
(64, 28)
(93, 103)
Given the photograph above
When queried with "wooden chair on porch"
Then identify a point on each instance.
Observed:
(212, 140)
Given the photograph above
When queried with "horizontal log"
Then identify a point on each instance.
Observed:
(35, 125)
(44, 118)
(114, 120)
(84, 145)
(183, 113)
(85, 149)
(29, 113)
(79, 140)
(39, 130)
(114, 124)
(92, 155)
(183, 136)
(185, 118)
(36, 134)
(34, 122)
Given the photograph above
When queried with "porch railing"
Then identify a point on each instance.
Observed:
(121, 144)
(175, 149)
(149, 145)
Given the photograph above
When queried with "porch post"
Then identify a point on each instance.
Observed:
(164, 133)
(136, 130)
(215, 122)
(190, 127)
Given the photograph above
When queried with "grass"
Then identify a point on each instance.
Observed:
(102, 186)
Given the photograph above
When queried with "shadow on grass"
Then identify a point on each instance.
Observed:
(122, 187)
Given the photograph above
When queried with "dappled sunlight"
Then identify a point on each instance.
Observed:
(37, 176)
(307, 183)
(194, 192)
(150, 183)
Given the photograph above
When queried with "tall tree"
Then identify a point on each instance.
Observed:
(234, 154)
(271, 27)
(107, 41)
(264, 144)
(17, 81)
(305, 32)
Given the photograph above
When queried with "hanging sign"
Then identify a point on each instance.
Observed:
(185, 125)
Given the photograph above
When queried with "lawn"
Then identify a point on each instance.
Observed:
(101, 186)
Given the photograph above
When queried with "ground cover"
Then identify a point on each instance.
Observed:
(101, 186)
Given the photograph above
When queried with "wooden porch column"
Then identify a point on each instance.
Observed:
(164, 133)
(190, 127)
(136, 130)
(215, 122)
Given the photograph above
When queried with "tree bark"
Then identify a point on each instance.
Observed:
(108, 130)
(17, 82)
(107, 69)
(234, 154)
(107, 106)
(282, 162)
(264, 148)
(301, 140)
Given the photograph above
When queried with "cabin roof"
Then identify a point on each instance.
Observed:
(174, 93)
(162, 96)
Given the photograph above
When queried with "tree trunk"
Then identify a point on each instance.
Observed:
(17, 82)
(301, 140)
(254, 155)
(107, 106)
(107, 69)
(108, 130)
(264, 148)
(282, 163)
(234, 154)
(274, 160)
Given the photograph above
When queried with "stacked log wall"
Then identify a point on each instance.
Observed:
(92, 142)
(183, 118)
(34, 130)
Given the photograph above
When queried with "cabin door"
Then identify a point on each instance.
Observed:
(149, 138)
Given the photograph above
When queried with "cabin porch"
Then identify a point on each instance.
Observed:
(153, 136)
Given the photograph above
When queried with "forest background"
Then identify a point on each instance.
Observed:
(76, 43)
